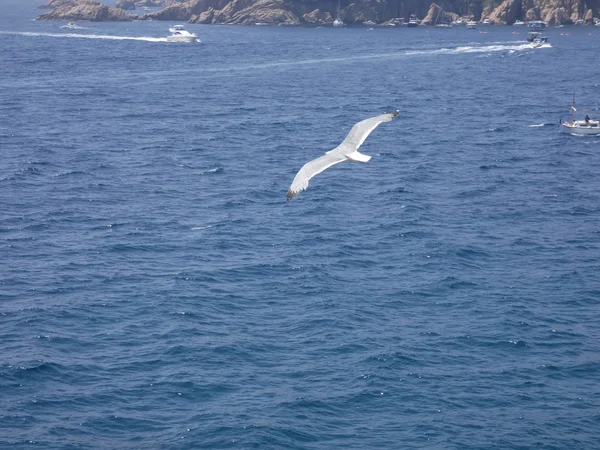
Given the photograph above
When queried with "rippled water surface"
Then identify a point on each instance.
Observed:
(157, 290)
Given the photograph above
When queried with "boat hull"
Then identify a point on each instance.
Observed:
(580, 130)
(181, 38)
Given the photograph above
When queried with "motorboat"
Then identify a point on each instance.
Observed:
(72, 25)
(486, 22)
(585, 127)
(536, 24)
(532, 35)
(397, 21)
(412, 22)
(519, 23)
(180, 34)
(538, 41)
(471, 24)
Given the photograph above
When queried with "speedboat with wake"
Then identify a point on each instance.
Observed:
(585, 127)
(539, 41)
(180, 34)
(536, 39)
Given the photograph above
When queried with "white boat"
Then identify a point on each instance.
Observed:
(179, 34)
(538, 41)
(585, 127)
(590, 127)
(412, 22)
(338, 22)
(72, 25)
(536, 24)
(536, 38)
(519, 23)
(471, 24)
(486, 22)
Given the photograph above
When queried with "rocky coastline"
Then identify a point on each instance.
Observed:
(323, 12)
(93, 11)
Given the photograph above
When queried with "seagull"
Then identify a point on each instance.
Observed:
(346, 151)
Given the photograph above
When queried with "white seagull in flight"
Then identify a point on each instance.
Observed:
(346, 151)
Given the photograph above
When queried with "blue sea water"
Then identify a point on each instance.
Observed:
(158, 291)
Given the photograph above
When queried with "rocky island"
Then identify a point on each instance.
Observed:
(323, 12)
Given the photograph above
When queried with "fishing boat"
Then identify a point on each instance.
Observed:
(582, 127)
(443, 23)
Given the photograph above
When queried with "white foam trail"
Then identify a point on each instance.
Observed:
(536, 125)
(402, 54)
(509, 47)
(87, 36)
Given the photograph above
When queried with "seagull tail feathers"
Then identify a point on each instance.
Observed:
(356, 156)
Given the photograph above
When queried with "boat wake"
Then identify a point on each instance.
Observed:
(508, 47)
(511, 48)
(87, 36)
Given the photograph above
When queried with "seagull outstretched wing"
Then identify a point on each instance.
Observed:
(362, 129)
(346, 151)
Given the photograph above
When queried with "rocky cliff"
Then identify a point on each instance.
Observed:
(313, 12)
(85, 10)
(316, 12)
